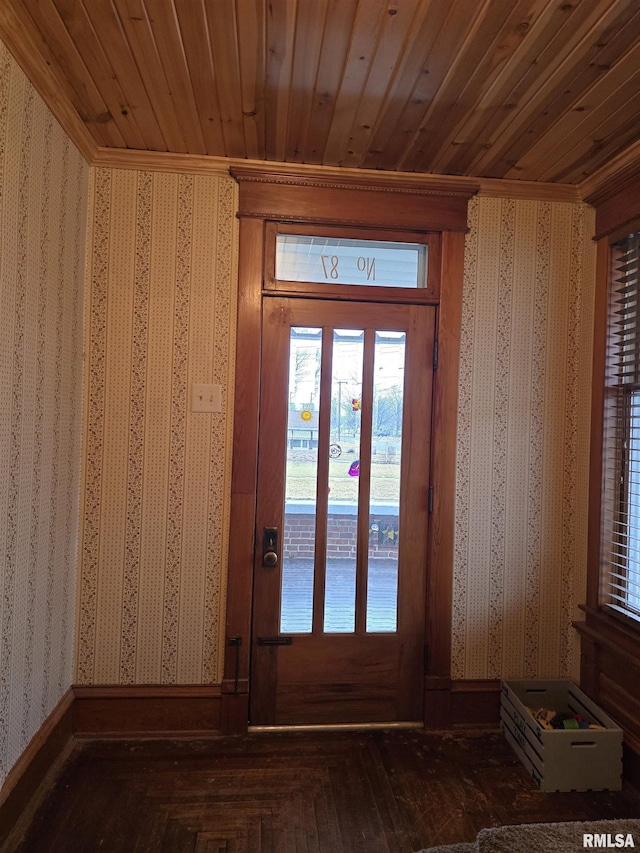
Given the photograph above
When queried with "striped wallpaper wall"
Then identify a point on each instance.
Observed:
(160, 317)
(523, 439)
(156, 490)
(43, 193)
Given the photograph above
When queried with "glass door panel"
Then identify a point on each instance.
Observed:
(384, 504)
(301, 475)
(352, 492)
(344, 469)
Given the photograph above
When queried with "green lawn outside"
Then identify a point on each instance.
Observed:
(301, 480)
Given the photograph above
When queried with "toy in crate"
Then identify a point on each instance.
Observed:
(563, 720)
(563, 739)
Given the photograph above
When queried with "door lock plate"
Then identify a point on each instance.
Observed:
(270, 547)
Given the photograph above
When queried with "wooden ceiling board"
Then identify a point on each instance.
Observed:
(529, 102)
(620, 172)
(395, 31)
(534, 94)
(129, 41)
(602, 150)
(442, 44)
(306, 60)
(362, 50)
(192, 23)
(607, 105)
(168, 38)
(609, 80)
(62, 50)
(573, 62)
(121, 74)
(147, 121)
(309, 33)
(25, 44)
(460, 63)
(524, 90)
(467, 138)
(410, 88)
(251, 59)
(339, 24)
(280, 33)
(223, 33)
(472, 68)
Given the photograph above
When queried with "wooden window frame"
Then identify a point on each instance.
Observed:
(610, 646)
(619, 391)
(595, 569)
(368, 205)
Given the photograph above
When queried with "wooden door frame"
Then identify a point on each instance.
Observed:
(369, 202)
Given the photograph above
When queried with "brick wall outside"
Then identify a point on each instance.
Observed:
(341, 540)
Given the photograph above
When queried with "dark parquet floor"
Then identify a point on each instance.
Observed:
(376, 791)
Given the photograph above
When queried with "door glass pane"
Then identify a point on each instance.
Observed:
(384, 507)
(344, 452)
(296, 601)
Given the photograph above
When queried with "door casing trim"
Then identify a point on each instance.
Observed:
(349, 206)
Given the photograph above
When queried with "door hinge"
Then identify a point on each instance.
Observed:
(435, 354)
(430, 500)
(426, 658)
(237, 642)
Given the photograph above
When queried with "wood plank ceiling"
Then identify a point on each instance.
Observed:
(530, 90)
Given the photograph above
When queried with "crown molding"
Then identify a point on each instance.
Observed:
(600, 186)
(160, 161)
(528, 190)
(262, 170)
(360, 179)
(285, 173)
(612, 178)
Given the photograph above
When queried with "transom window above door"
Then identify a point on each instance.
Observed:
(377, 265)
(340, 260)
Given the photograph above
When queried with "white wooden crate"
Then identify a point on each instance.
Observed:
(561, 759)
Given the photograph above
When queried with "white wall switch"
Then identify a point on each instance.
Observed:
(206, 398)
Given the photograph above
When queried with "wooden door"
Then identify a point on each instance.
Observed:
(342, 512)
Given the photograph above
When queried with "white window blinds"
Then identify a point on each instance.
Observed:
(621, 474)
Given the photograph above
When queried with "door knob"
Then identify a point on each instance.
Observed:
(270, 559)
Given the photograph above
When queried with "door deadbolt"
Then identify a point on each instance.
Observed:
(270, 547)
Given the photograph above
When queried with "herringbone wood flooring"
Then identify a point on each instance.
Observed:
(376, 791)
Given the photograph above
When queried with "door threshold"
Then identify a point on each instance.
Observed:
(337, 727)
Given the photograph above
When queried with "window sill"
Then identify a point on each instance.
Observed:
(615, 631)
(624, 616)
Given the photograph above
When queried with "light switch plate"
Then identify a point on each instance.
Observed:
(206, 398)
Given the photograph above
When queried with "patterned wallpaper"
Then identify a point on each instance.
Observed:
(43, 192)
(523, 439)
(160, 317)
